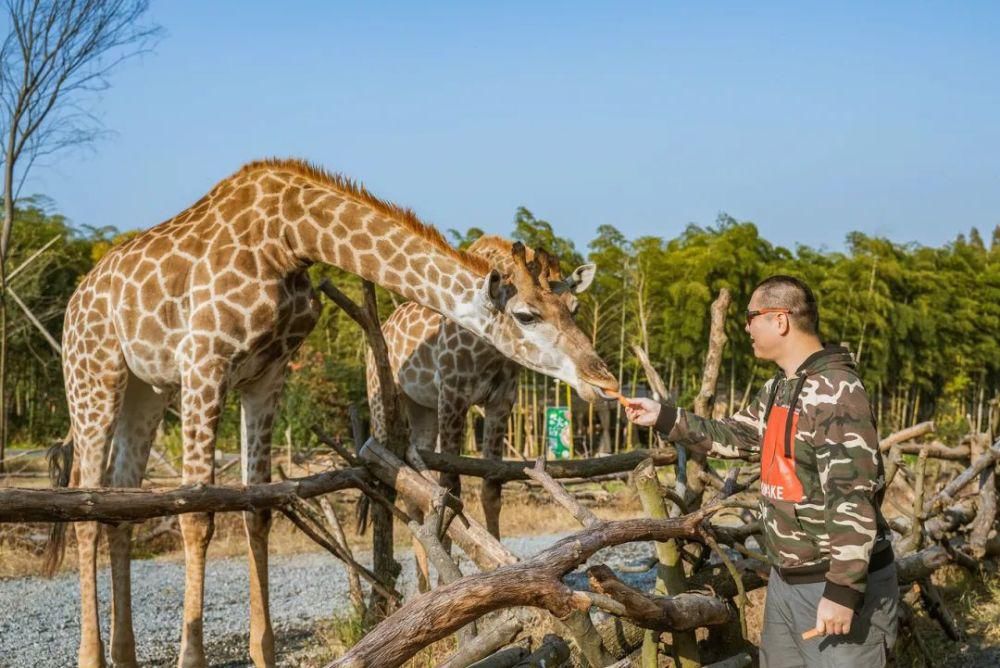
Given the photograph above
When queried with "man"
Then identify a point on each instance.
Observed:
(821, 487)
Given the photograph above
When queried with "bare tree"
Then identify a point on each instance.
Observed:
(56, 55)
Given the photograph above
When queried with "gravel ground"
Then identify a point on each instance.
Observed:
(39, 625)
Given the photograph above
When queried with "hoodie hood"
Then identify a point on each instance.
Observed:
(829, 358)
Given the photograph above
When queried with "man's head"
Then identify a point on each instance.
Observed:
(781, 315)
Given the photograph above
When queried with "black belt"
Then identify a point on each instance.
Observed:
(817, 572)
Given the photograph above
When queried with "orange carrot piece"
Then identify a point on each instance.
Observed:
(617, 395)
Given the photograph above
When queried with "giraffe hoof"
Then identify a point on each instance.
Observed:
(91, 658)
(192, 660)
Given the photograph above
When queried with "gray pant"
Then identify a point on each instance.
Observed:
(791, 610)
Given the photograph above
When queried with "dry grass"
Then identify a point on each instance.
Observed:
(975, 602)
(331, 640)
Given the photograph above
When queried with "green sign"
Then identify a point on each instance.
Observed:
(557, 432)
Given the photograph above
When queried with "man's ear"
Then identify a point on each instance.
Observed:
(495, 292)
(577, 282)
(784, 323)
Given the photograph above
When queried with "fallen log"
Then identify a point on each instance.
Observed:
(936, 450)
(510, 469)
(985, 523)
(113, 505)
(536, 581)
(552, 653)
(938, 527)
(567, 482)
(505, 658)
(484, 644)
(752, 572)
(921, 564)
(683, 612)
(981, 462)
(908, 434)
(935, 606)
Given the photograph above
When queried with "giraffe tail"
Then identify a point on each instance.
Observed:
(63, 472)
(361, 514)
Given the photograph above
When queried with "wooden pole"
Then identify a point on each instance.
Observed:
(669, 573)
(112, 505)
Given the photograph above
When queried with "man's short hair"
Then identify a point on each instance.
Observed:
(783, 291)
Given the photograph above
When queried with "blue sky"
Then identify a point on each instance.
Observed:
(810, 119)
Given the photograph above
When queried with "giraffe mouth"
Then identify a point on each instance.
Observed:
(604, 389)
(604, 394)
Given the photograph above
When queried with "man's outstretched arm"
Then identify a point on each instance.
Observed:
(735, 436)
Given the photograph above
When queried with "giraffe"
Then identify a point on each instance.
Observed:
(443, 369)
(218, 299)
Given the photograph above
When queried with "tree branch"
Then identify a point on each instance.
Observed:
(683, 612)
(534, 582)
(127, 505)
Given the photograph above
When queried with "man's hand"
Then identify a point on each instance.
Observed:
(643, 411)
(833, 618)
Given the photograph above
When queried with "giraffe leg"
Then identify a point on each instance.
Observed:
(494, 431)
(94, 406)
(452, 409)
(258, 405)
(423, 434)
(142, 409)
(202, 397)
(91, 652)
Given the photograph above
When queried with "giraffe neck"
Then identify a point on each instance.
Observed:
(368, 240)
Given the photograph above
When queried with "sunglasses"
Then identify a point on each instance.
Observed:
(753, 314)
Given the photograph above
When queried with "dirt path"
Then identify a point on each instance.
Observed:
(39, 618)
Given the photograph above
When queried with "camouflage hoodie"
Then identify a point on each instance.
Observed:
(821, 471)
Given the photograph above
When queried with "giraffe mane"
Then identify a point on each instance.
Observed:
(492, 243)
(355, 190)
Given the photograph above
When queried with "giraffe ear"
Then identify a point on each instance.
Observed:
(495, 292)
(577, 282)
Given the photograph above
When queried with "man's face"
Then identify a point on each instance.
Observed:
(766, 330)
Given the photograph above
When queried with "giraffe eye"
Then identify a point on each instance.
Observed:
(525, 318)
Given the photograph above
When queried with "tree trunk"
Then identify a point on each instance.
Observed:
(669, 576)
(3, 367)
(8, 225)
(383, 562)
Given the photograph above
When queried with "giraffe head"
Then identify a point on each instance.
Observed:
(498, 251)
(530, 311)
